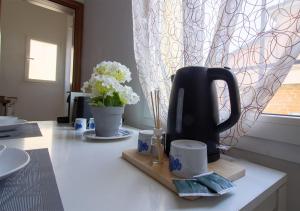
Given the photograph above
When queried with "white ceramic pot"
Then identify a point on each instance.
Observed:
(107, 120)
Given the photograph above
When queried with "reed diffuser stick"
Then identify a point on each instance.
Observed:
(153, 109)
(155, 94)
(158, 113)
(155, 101)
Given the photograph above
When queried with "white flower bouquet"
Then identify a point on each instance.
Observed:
(107, 88)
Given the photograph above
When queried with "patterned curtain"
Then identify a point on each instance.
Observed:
(258, 39)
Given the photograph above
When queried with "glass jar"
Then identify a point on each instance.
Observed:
(157, 149)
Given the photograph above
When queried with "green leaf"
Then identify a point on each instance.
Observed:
(114, 100)
(97, 101)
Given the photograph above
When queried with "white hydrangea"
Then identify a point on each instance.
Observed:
(115, 69)
(107, 79)
(129, 95)
(86, 87)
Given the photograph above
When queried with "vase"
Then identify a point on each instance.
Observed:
(107, 120)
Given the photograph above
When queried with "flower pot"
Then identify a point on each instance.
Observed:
(107, 120)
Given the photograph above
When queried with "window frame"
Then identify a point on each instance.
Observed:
(27, 60)
(274, 136)
(275, 127)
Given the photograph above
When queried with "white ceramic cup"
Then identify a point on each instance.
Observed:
(144, 141)
(91, 124)
(80, 124)
(187, 158)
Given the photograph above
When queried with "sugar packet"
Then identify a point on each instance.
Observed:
(216, 183)
(191, 187)
(211, 184)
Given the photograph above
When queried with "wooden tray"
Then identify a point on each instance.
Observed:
(161, 173)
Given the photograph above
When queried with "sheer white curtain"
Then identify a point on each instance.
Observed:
(258, 39)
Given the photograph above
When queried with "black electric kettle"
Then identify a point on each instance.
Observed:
(193, 108)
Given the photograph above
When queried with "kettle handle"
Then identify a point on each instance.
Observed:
(227, 76)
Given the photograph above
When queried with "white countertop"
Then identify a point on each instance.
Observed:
(93, 176)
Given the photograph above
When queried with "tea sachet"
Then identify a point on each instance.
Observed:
(216, 183)
(191, 187)
(211, 184)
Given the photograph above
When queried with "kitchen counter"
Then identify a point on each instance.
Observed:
(93, 176)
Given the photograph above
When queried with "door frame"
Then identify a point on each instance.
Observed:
(78, 38)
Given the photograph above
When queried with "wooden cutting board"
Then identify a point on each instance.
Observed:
(161, 173)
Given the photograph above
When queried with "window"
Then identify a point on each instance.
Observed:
(286, 101)
(41, 61)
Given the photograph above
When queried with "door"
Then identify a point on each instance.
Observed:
(33, 59)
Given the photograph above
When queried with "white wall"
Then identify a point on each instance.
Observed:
(108, 36)
(36, 101)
